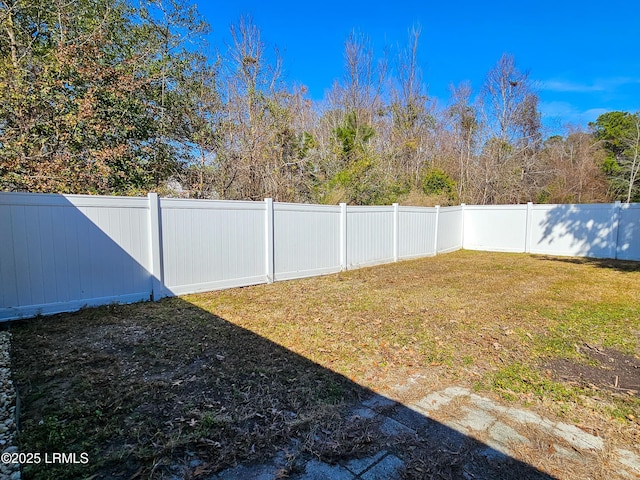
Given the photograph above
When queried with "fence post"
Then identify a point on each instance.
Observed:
(435, 236)
(527, 237)
(155, 237)
(268, 202)
(615, 228)
(343, 236)
(396, 224)
(462, 205)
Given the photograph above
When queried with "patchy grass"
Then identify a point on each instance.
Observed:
(599, 323)
(518, 378)
(235, 375)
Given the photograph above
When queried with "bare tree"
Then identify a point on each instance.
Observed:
(364, 78)
(259, 151)
(412, 115)
(350, 123)
(463, 116)
(513, 134)
(573, 169)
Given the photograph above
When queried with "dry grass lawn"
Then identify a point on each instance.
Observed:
(206, 372)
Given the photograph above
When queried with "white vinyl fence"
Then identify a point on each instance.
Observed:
(59, 253)
(594, 230)
(209, 245)
(306, 240)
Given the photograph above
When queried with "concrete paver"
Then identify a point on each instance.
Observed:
(503, 434)
(477, 425)
(390, 468)
(578, 438)
(437, 400)
(359, 465)
(379, 402)
(494, 452)
(315, 470)
(567, 453)
(487, 404)
(243, 472)
(478, 420)
(392, 427)
(363, 412)
(629, 459)
(525, 416)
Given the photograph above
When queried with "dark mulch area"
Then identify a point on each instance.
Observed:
(145, 389)
(608, 369)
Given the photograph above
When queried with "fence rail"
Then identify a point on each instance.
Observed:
(62, 252)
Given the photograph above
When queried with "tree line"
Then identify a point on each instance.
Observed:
(120, 97)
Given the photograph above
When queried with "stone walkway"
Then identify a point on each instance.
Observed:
(485, 437)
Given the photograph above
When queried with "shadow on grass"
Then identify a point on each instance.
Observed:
(607, 263)
(168, 390)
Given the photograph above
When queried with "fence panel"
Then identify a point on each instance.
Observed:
(369, 235)
(628, 244)
(416, 232)
(212, 244)
(495, 228)
(62, 252)
(573, 230)
(306, 240)
(449, 229)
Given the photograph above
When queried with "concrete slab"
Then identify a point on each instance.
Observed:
(432, 402)
(505, 435)
(455, 425)
(391, 427)
(476, 419)
(629, 459)
(454, 392)
(525, 416)
(242, 472)
(568, 454)
(315, 470)
(578, 438)
(390, 468)
(436, 400)
(411, 418)
(487, 404)
(494, 453)
(359, 465)
(446, 434)
(379, 402)
(363, 412)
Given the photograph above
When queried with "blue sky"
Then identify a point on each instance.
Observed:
(584, 56)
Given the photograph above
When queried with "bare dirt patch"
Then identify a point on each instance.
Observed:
(609, 369)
